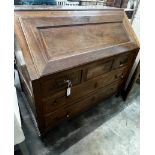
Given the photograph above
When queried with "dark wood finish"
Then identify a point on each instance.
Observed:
(81, 105)
(94, 49)
(122, 60)
(56, 82)
(134, 77)
(99, 68)
(60, 99)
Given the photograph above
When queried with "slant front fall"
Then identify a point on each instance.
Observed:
(69, 60)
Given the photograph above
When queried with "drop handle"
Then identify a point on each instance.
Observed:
(69, 85)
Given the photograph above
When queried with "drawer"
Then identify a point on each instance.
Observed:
(60, 99)
(121, 61)
(57, 82)
(81, 105)
(98, 68)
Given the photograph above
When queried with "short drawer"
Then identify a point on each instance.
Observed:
(121, 60)
(80, 105)
(98, 68)
(58, 82)
(60, 99)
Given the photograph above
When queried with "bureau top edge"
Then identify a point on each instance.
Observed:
(64, 8)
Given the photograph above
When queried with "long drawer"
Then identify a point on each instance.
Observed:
(80, 105)
(60, 99)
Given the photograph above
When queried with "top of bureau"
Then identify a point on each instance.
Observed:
(57, 39)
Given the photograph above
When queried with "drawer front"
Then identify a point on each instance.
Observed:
(99, 68)
(81, 105)
(60, 99)
(121, 60)
(58, 82)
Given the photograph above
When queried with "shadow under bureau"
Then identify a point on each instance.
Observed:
(70, 59)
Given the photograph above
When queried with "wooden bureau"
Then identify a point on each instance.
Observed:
(70, 59)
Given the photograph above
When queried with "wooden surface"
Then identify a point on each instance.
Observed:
(53, 48)
(86, 102)
(95, 50)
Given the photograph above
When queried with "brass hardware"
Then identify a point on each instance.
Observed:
(69, 85)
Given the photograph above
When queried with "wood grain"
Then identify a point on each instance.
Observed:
(84, 104)
(93, 48)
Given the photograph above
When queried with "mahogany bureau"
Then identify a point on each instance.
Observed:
(69, 60)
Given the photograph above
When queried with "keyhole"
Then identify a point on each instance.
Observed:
(55, 102)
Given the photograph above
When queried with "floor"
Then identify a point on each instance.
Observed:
(110, 128)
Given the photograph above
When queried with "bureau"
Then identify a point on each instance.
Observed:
(70, 59)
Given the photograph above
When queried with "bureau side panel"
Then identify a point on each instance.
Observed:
(24, 76)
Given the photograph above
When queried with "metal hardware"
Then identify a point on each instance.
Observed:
(69, 85)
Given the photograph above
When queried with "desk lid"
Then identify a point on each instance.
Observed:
(55, 40)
